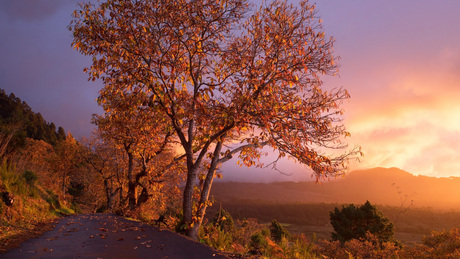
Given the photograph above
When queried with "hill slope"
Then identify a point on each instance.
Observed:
(389, 186)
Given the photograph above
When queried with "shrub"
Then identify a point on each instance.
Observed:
(368, 247)
(30, 177)
(278, 232)
(217, 238)
(443, 244)
(355, 222)
(223, 220)
(259, 243)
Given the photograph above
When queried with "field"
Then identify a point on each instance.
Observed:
(411, 224)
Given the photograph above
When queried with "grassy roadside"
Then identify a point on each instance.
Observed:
(33, 212)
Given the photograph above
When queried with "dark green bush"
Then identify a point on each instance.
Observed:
(259, 244)
(30, 177)
(277, 232)
(353, 222)
(223, 220)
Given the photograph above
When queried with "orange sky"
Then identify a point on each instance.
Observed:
(400, 61)
(401, 65)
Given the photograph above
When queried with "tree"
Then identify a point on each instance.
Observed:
(67, 162)
(141, 134)
(355, 222)
(103, 158)
(227, 82)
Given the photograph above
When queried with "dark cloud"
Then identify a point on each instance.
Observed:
(39, 66)
(31, 10)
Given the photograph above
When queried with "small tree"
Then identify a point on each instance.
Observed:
(353, 222)
(278, 232)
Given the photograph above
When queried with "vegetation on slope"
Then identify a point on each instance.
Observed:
(33, 208)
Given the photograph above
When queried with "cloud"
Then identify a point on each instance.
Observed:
(39, 66)
(30, 10)
(411, 120)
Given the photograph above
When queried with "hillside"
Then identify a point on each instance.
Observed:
(388, 186)
(18, 121)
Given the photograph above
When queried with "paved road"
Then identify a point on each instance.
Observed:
(109, 236)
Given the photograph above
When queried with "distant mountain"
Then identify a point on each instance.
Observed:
(388, 186)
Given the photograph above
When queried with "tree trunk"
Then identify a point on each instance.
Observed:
(108, 196)
(63, 185)
(110, 193)
(131, 183)
(205, 191)
(188, 196)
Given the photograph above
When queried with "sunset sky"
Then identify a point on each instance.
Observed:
(400, 61)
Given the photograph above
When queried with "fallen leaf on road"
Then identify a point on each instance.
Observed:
(120, 239)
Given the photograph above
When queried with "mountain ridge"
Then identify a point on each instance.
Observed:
(386, 186)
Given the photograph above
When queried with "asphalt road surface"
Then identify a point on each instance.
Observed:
(108, 236)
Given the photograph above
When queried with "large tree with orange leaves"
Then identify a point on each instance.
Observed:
(229, 80)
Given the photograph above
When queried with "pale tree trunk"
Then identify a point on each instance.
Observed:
(205, 191)
(192, 169)
(188, 195)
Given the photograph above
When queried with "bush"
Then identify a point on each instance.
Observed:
(30, 177)
(355, 222)
(259, 243)
(443, 244)
(278, 232)
(223, 220)
(217, 238)
(368, 247)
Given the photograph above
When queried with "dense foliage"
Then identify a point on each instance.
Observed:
(18, 120)
(353, 222)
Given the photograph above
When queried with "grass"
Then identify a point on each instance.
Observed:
(33, 211)
(411, 225)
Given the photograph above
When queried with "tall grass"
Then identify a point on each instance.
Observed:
(32, 204)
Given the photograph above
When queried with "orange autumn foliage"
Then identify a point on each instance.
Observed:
(223, 79)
